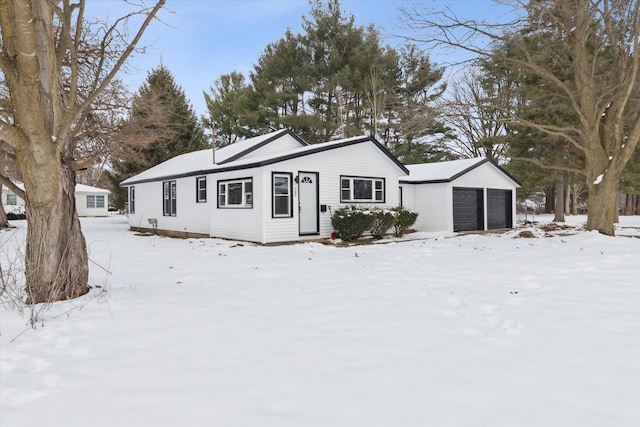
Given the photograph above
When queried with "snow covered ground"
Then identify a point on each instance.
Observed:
(440, 330)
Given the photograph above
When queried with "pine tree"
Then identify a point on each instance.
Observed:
(162, 124)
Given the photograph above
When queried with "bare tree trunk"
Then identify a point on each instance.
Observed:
(4, 222)
(574, 199)
(567, 200)
(637, 204)
(550, 200)
(558, 212)
(602, 206)
(56, 262)
(628, 204)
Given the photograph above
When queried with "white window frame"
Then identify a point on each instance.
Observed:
(91, 201)
(201, 189)
(12, 199)
(246, 193)
(100, 201)
(348, 184)
(275, 196)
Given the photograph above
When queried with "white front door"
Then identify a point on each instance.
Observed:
(308, 202)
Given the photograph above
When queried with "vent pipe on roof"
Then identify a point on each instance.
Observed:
(213, 144)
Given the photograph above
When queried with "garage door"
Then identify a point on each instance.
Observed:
(499, 209)
(468, 208)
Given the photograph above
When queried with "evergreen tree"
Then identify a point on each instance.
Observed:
(161, 124)
(229, 110)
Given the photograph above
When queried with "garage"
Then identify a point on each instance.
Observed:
(460, 195)
(499, 209)
(468, 209)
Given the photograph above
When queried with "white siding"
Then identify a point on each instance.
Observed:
(191, 217)
(280, 145)
(5, 193)
(484, 176)
(434, 201)
(362, 159)
(83, 210)
(431, 203)
(238, 223)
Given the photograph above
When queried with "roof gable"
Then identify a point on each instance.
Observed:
(198, 162)
(248, 163)
(431, 173)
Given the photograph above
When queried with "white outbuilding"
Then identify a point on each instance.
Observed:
(90, 201)
(460, 195)
(268, 189)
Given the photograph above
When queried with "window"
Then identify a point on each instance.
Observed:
(201, 189)
(236, 193)
(361, 189)
(95, 201)
(282, 206)
(99, 201)
(132, 199)
(169, 192)
(12, 199)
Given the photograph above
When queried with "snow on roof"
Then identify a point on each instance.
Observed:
(196, 163)
(441, 171)
(81, 188)
(202, 160)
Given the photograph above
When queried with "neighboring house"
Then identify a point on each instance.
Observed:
(268, 189)
(460, 195)
(90, 201)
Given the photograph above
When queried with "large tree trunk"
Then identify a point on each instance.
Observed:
(602, 205)
(56, 262)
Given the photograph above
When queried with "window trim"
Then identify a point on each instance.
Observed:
(169, 198)
(289, 176)
(199, 189)
(14, 199)
(226, 182)
(374, 190)
(91, 197)
(132, 199)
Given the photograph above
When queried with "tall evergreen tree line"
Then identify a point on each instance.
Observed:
(334, 80)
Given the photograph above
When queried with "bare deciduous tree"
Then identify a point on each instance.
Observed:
(601, 38)
(50, 94)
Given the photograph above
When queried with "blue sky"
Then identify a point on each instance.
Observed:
(203, 39)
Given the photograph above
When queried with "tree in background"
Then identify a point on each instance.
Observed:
(415, 132)
(228, 109)
(161, 125)
(600, 39)
(334, 80)
(44, 74)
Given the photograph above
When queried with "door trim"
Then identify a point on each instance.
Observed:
(316, 202)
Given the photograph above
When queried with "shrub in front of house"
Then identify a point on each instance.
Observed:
(350, 222)
(404, 220)
(383, 220)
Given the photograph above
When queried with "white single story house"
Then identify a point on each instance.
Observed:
(90, 201)
(460, 195)
(268, 189)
